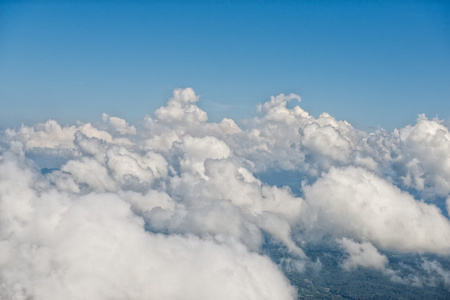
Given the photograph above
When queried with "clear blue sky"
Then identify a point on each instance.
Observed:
(375, 63)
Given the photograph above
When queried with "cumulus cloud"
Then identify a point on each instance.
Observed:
(118, 125)
(52, 135)
(60, 245)
(426, 146)
(355, 203)
(173, 208)
(362, 254)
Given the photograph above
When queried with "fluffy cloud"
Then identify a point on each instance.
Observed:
(426, 148)
(174, 208)
(58, 245)
(291, 139)
(118, 125)
(362, 254)
(52, 135)
(355, 203)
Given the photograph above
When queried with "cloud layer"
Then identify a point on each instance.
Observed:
(174, 208)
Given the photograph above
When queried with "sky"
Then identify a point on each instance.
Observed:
(376, 64)
(224, 150)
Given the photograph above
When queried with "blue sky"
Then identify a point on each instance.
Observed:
(374, 64)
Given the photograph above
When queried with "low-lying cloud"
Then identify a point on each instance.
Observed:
(174, 208)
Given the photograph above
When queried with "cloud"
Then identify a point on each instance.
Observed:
(173, 207)
(426, 146)
(52, 135)
(424, 273)
(437, 272)
(195, 151)
(181, 110)
(118, 125)
(60, 245)
(361, 255)
(291, 139)
(355, 203)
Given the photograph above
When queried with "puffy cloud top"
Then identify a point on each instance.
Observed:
(174, 208)
(354, 202)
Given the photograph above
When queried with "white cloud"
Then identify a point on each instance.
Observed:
(426, 148)
(52, 135)
(55, 245)
(119, 125)
(355, 203)
(181, 109)
(362, 255)
(195, 151)
(92, 229)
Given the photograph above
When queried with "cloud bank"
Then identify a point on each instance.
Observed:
(174, 208)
